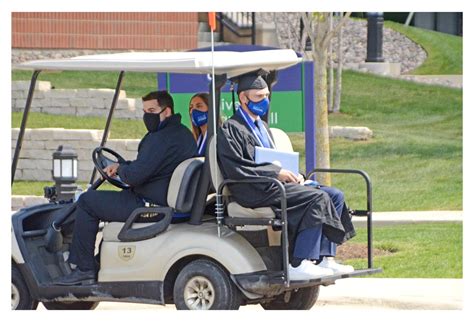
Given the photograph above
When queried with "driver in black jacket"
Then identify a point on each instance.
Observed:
(161, 150)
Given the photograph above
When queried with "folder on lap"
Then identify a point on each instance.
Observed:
(287, 160)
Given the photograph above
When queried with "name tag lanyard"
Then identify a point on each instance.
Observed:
(201, 143)
(252, 126)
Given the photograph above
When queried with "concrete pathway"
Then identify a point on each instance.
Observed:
(444, 80)
(394, 293)
(407, 217)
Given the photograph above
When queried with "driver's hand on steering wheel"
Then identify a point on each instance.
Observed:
(111, 170)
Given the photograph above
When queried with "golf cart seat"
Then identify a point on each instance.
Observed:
(181, 193)
(234, 210)
(281, 139)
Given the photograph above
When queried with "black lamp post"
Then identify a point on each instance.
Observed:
(374, 37)
(64, 173)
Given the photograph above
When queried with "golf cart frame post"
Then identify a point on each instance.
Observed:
(118, 87)
(24, 120)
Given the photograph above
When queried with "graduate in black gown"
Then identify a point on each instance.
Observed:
(312, 216)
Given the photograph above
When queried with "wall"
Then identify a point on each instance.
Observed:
(105, 30)
(35, 163)
(78, 102)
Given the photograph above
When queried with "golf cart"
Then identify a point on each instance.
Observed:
(216, 260)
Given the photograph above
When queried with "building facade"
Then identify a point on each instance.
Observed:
(105, 30)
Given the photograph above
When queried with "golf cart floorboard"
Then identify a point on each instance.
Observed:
(149, 292)
(272, 283)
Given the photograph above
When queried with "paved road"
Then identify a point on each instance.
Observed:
(363, 294)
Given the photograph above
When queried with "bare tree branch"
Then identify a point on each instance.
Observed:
(294, 33)
(336, 29)
(307, 27)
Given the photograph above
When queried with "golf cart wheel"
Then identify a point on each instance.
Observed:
(204, 285)
(21, 298)
(70, 305)
(301, 299)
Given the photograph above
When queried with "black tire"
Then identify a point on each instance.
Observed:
(21, 297)
(218, 291)
(302, 299)
(70, 305)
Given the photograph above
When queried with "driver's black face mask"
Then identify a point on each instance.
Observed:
(152, 121)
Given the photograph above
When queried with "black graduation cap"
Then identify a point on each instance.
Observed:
(251, 80)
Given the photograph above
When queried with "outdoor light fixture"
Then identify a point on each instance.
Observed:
(64, 164)
(64, 174)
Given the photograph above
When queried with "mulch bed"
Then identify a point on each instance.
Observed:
(353, 251)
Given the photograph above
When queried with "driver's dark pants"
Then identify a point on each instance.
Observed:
(311, 243)
(94, 206)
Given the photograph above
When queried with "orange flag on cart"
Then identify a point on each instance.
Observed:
(212, 20)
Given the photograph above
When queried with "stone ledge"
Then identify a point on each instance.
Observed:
(55, 134)
(25, 85)
(20, 201)
(351, 133)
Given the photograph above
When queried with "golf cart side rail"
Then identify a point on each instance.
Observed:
(361, 213)
(260, 221)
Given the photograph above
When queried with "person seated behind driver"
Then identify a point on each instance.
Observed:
(198, 108)
(162, 149)
(316, 220)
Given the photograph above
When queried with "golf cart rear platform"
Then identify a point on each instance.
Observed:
(273, 283)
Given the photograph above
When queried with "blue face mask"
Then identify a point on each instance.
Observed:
(259, 108)
(198, 118)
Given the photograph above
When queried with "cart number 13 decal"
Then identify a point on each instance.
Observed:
(126, 253)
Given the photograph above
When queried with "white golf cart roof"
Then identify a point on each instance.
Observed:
(225, 62)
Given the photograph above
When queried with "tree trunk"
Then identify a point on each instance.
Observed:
(331, 70)
(322, 126)
(340, 61)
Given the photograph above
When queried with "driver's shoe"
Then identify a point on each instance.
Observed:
(77, 277)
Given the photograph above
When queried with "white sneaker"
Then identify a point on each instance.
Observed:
(330, 263)
(307, 270)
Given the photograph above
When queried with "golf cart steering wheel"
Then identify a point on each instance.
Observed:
(101, 161)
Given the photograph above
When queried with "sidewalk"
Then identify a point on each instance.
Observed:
(455, 81)
(393, 293)
(409, 217)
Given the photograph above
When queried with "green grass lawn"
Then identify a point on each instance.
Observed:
(119, 129)
(415, 156)
(444, 50)
(36, 187)
(135, 84)
(414, 159)
(419, 250)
